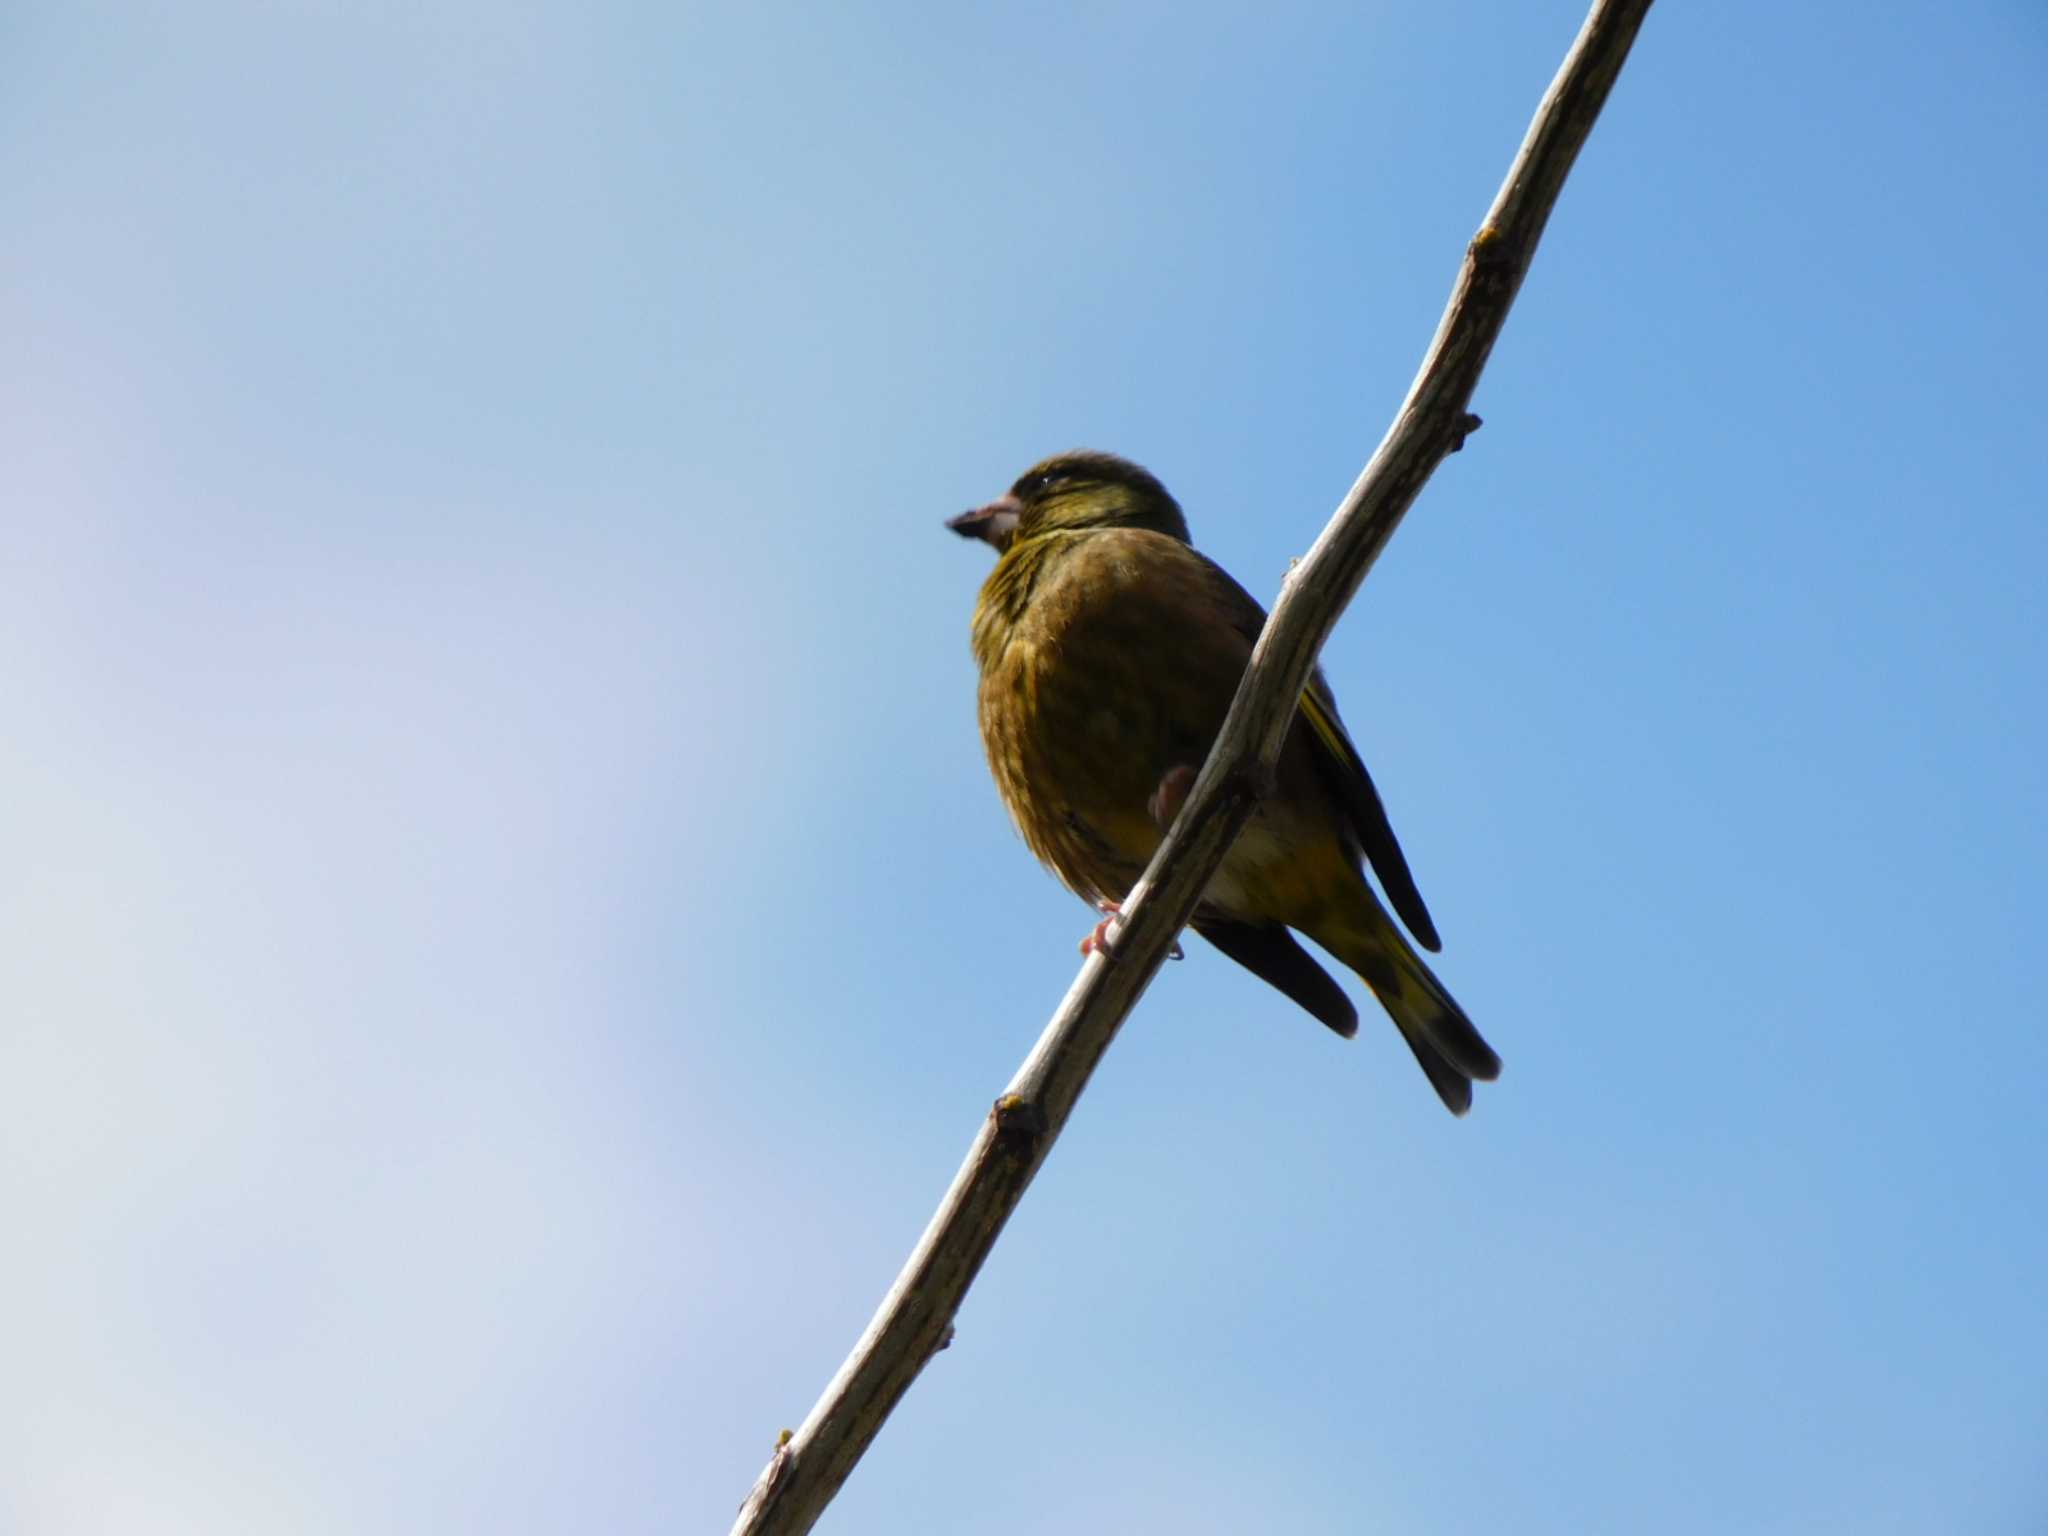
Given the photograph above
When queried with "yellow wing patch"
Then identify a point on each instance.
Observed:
(1327, 730)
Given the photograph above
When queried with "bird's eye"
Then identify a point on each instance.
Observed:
(1040, 484)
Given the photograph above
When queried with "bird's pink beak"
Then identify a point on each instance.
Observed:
(993, 523)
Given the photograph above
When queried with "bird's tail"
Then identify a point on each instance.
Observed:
(1451, 1051)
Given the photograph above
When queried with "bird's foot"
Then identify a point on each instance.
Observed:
(1098, 941)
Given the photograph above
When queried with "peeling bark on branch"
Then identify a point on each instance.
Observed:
(915, 1319)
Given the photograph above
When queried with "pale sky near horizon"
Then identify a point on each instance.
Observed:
(507, 932)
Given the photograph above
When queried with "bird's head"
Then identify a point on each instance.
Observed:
(1070, 492)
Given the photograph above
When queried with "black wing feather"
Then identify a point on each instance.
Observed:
(1361, 800)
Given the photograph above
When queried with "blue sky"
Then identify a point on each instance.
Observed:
(508, 933)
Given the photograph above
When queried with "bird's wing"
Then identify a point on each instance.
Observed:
(1342, 770)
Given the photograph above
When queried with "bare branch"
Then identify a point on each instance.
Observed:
(915, 1319)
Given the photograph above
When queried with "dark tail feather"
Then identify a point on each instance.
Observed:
(1451, 1051)
(1451, 1085)
(1272, 955)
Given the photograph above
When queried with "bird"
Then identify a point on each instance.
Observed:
(1109, 650)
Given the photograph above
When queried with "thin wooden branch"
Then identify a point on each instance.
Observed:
(915, 1319)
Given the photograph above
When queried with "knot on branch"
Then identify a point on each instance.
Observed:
(1463, 428)
(1490, 248)
(775, 1479)
(1019, 1124)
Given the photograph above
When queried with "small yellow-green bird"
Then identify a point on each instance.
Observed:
(1109, 652)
